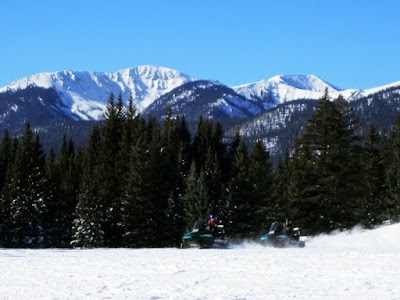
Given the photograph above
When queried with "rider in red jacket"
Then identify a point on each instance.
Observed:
(211, 223)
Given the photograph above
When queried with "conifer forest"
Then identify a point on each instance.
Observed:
(142, 183)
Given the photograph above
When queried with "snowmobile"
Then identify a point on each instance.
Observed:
(279, 236)
(202, 237)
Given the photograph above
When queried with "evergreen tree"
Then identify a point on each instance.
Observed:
(232, 149)
(326, 169)
(202, 142)
(129, 135)
(375, 204)
(261, 179)
(157, 179)
(217, 170)
(393, 173)
(52, 221)
(347, 165)
(137, 208)
(87, 227)
(215, 182)
(27, 199)
(5, 218)
(209, 153)
(303, 199)
(111, 171)
(280, 188)
(69, 189)
(176, 219)
(160, 184)
(240, 196)
(7, 154)
(176, 145)
(196, 198)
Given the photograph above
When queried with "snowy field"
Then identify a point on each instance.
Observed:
(358, 265)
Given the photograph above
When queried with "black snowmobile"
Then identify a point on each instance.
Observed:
(282, 236)
(202, 237)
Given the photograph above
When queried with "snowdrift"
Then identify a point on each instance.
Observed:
(379, 238)
(384, 237)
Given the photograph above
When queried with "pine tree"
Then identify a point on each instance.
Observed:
(240, 196)
(393, 173)
(129, 135)
(325, 169)
(159, 182)
(87, 226)
(69, 189)
(210, 154)
(232, 149)
(176, 219)
(27, 199)
(146, 204)
(280, 189)
(303, 198)
(347, 165)
(196, 198)
(215, 182)
(176, 145)
(202, 142)
(375, 204)
(111, 171)
(217, 170)
(5, 218)
(136, 216)
(7, 154)
(261, 178)
(52, 220)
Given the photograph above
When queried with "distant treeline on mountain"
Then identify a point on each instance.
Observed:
(275, 110)
(139, 182)
(277, 126)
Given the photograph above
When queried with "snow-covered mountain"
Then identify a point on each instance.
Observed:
(205, 98)
(279, 125)
(84, 95)
(274, 108)
(285, 88)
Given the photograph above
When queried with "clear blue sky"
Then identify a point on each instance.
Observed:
(350, 43)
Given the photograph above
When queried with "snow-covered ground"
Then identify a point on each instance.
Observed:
(357, 265)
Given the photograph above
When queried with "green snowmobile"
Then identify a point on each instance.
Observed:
(202, 237)
(281, 236)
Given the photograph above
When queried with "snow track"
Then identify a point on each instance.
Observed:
(365, 266)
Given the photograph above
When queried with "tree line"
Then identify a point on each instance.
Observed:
(140, 183)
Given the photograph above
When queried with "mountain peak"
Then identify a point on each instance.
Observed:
(151, 71)
(303, 82)
(83, 93)
(282, 88)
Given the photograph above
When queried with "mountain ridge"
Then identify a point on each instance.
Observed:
(274, 109)
(204, 98)
(84, 94)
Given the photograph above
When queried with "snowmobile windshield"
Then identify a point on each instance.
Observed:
(199, 225)
(276, 227)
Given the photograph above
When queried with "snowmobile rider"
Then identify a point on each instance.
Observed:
(288, 226)
(211, 224)
(277, 227)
